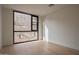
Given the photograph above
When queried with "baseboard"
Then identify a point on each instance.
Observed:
(62, 45)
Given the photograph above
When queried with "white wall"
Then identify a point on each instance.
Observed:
(0, 26)
(62, 27)
(41, 19)
(7, 26)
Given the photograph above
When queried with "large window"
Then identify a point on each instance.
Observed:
(25, 27)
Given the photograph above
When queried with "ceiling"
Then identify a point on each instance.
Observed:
(37, 9)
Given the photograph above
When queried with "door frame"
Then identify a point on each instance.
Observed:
(26, 31)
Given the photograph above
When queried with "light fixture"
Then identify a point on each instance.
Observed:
(50, 5)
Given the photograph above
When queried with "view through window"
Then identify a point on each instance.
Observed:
(25, 27)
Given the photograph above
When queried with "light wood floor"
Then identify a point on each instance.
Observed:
(37, 48)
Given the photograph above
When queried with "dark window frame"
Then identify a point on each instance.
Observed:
(32, 23)
(31, 26)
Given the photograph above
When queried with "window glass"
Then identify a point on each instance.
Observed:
(22, 22)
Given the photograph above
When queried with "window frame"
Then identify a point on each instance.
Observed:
(31, 26)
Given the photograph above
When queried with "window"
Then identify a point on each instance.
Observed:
(25, 27)
(22, 22)
(34, 23)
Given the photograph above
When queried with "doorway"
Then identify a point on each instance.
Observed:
(25, 27)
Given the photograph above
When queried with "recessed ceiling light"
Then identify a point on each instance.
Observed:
(50, 5)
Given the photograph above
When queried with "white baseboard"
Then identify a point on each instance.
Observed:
(62, 45)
